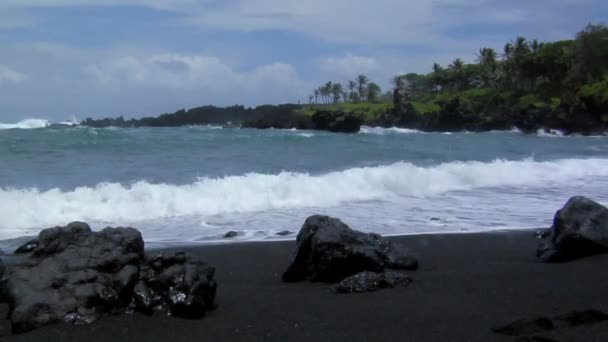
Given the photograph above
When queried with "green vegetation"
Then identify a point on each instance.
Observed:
(552, 83)
(367, 110)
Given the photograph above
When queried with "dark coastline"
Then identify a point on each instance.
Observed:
(467, 284)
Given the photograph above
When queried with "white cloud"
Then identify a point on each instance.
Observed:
(184, 72)
(382, 22)
(159, 4)
(349, 65)
(134, 82)
(10, 76)
(342, 21)
(357, 22)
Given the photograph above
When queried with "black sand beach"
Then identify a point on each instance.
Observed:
(466, 285)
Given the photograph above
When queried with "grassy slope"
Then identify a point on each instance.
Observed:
(367, 110)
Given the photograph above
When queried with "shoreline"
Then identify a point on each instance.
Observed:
(227, 241)
(163, 245)
(466, 285)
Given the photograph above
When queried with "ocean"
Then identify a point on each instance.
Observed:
(191, 185)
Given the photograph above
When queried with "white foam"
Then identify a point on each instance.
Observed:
(208, 126)
(26, 124)
(385, 131)
(120, 204)
(550, 133)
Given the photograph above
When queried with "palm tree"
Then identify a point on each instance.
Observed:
(457, 74)
(316, 93)
(487, 57)
(352, 85)
(328, 87)
(521, 47)
(507, 51)
(437, 77)
(536, 46)
(457, 64)
(436, 68)
(520, 57)
(398, 82)
(324, 93)
(373, 91)
(310, 98)
(361, 82)
(336, 91)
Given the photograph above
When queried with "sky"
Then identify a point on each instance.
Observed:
(62, 59)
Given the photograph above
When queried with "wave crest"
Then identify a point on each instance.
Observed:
(117, 203)
(385, 131)
(26, 124)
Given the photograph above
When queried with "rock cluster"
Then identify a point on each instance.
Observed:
(76, 275)
(329, 251)
(336, 122)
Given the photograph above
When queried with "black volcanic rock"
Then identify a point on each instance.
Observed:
(177, 284)
(27, 247)
(370, 281)
(329, 251)
(579, 229)
(78, 276)
(333, 121)
(339, 122)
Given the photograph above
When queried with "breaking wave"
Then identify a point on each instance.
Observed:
(253, 192)
(26, 124)
(385, 131)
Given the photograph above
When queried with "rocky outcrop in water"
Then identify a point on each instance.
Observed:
(78, 276)
(329, 251)
(457, 115)
(339, 122)
(579, 229)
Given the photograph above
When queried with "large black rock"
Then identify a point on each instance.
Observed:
(336, 122)
(579, 229)
(78, 276)
(329, 251)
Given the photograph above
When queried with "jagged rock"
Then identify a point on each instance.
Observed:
(27, 247)
(395, 256)
(176, 283)
(78, 276)
(579, 229)
(370, 281)
(337, 122)
(328, 250)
